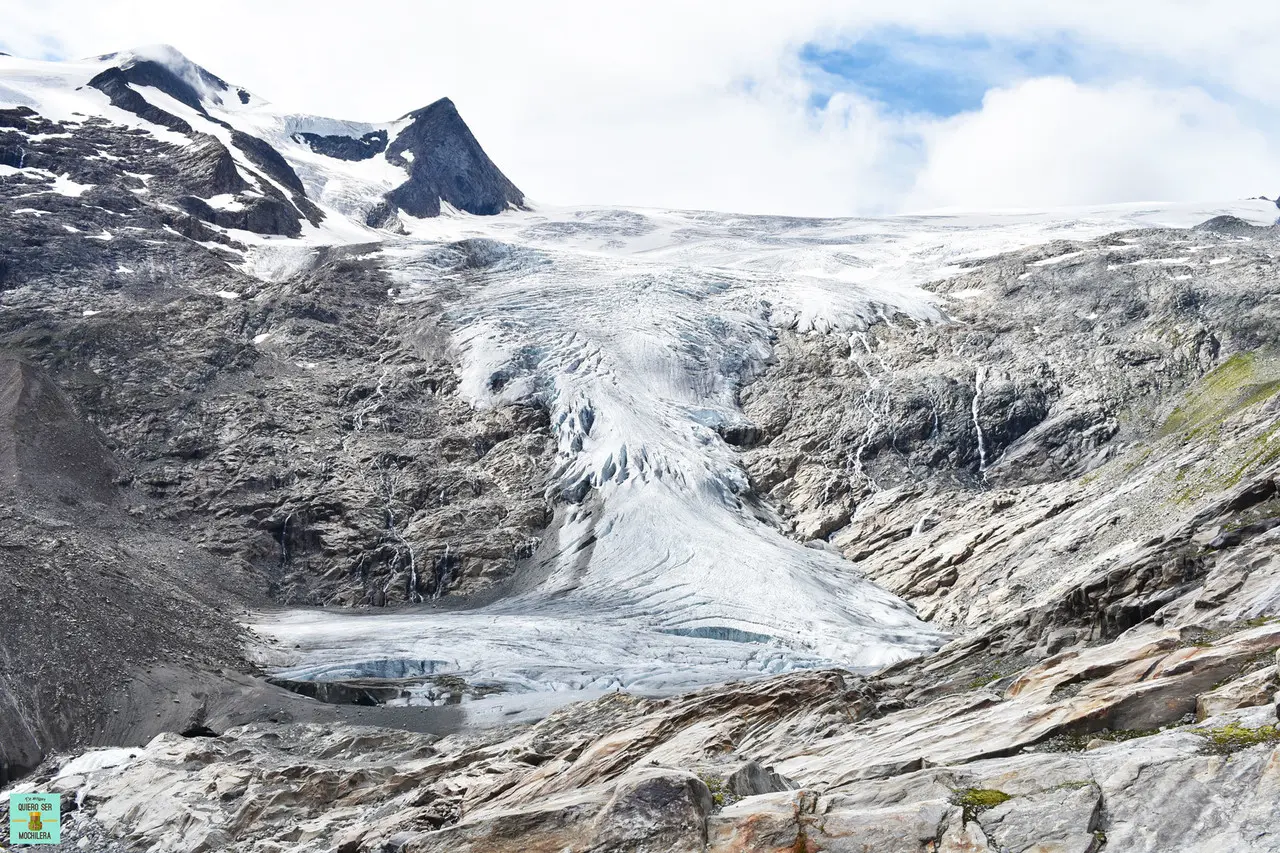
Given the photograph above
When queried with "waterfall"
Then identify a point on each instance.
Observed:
(982, 440)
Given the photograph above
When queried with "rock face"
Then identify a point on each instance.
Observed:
(1022, 390)
(272, 201)
(625, 774)
(346, 147)
(164, 68)
(307, 425)
(96, 596)
(149, 389)
(447, 165)
(1063, 454)
(983, 499)
(191, 369)
(46, 446)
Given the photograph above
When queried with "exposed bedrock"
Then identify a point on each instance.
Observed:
(347, 147)
(305, 430)
(1112, 684)
(812, 761)
(976, 468)
(446, 164)
(1058, 357)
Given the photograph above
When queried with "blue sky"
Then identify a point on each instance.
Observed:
(909, 71)
(45, 47)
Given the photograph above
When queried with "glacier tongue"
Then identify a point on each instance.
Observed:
(635, 329)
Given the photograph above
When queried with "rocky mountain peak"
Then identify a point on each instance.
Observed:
(447, 165)
(439, 107)
(167, 69)
(231, 174)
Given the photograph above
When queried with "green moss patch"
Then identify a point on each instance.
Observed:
(984, 679)
(975, 801)
(1234, 737)
(1241, 381)
(1260, 453)
(721, 796)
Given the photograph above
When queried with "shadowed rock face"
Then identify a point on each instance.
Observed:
(209, 166)
(371, 144)
(114, 83)
(44, 445)
(91, 597)
(447, 164)
(147, 73)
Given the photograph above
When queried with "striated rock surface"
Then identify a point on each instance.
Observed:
(624, 774)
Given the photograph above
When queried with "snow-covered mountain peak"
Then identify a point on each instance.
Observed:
(326, 179)
(169, 70)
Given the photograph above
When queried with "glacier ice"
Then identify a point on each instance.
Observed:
(635, 329)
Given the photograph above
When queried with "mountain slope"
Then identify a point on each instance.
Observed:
(1014, 476)
(242, 158)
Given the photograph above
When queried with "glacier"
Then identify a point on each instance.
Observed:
(635, 329)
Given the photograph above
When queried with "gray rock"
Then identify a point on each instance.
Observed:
(654, 811)
(1057, 820)
(447, 165)
(753, 778)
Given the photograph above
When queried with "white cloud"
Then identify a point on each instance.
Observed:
(706, 105)
(1052, 142)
